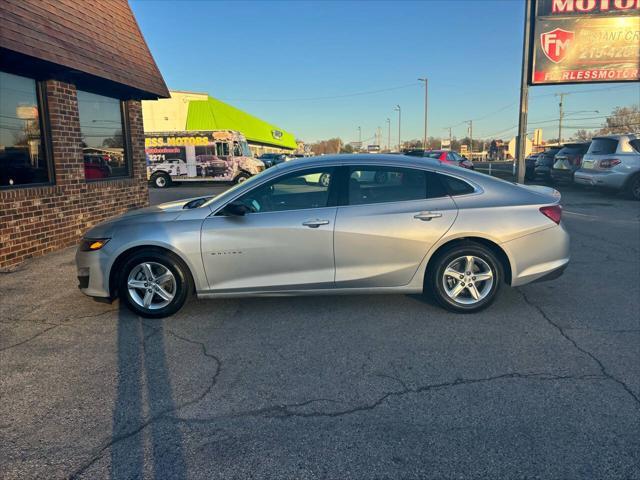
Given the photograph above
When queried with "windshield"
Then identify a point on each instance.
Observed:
(603, 146)
(246, 151)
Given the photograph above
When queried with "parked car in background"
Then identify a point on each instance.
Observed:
(613, 163)
(96, 167)
(451, 233)
(544, 162)
(567, 161)
(530, 166)
(271, 159)
(443, 156)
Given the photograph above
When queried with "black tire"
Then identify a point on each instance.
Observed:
(435, 277)
(241, 177)
(181, 274)
(160, 180)
(324, 180)
(633, 187)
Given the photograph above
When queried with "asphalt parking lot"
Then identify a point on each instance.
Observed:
(544, 384)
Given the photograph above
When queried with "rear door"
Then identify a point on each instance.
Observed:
(384, 230)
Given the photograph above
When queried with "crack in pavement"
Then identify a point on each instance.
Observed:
(163, 413)
(53, 326)
(285, 410)
(41, 332)
(579, 348)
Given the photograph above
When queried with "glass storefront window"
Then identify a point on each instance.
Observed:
(23, 160)
(103, 136)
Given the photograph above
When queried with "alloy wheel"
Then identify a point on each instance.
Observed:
(467, 280)
(151, 285)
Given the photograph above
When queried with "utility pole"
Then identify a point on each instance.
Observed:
(360, 136)
(389, 134)
(521, 140)
(399, 110)
(450, 136)
(561, 105)
(470, 122)
(426, 92)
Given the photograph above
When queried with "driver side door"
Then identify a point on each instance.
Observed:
(284, 242)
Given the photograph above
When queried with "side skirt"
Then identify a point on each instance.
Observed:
(403, 290)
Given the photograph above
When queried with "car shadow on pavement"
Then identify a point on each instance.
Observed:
(144, 394)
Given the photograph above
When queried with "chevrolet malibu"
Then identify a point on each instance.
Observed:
(450, 233)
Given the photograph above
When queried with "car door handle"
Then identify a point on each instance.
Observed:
(315, 223)
(427, 216)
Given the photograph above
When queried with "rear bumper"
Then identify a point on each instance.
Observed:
(538, 255)
(596, 178)
(543, 171)
(562, 175)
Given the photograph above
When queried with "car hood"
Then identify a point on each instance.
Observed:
(164, 212)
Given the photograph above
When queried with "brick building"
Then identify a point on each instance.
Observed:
(72, 76)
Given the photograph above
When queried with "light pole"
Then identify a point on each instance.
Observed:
(389, 134)
(426, 92)
(360, 138)
(399, 110)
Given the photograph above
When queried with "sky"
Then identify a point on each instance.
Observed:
(323, 69)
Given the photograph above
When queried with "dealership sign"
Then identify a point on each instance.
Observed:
(583, 41)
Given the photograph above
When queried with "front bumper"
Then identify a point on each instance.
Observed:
(603, 179)
(537, 255)
(91, 268)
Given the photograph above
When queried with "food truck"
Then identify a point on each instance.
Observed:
(189, 156)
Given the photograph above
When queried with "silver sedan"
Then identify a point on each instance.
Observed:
(375, 224)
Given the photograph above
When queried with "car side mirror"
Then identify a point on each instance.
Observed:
(235, 209)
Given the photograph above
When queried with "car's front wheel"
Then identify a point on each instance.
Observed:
(465, 278)
(154, 284)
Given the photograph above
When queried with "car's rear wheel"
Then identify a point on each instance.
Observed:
(465, 278)
(154, 284)
(633, 187)
(161, 180)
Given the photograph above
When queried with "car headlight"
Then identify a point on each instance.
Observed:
(93, 244)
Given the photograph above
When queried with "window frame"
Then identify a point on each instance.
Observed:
(332, 191)
(127, 149)
(45, 136)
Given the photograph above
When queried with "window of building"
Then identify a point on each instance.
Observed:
(23, 156)
(103, 136)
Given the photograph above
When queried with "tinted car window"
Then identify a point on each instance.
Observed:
(635, 144)
(455, 186)
(386, 184)
(296, 191)
(432, 154)
(603, 146)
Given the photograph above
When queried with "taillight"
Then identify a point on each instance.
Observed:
(553, 212)
(609, 163)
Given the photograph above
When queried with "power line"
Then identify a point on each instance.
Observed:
(330, 97)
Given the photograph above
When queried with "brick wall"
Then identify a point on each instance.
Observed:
(38, 220)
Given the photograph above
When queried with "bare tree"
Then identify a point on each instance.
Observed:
(622, 120)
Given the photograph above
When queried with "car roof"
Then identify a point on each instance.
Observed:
(630, 136)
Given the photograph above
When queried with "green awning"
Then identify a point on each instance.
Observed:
(212, 114)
